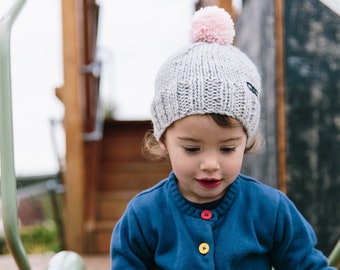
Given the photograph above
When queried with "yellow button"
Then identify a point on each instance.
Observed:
(203, 248)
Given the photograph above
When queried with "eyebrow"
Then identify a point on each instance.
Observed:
(224, 141)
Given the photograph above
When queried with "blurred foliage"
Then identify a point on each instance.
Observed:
(38, 238)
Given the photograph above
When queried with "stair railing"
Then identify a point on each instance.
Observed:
(7, 172)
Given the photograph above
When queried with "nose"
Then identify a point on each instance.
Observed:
(210, 163)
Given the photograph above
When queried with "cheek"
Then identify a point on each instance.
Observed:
(234, 165)
(235, 169)
(180, 163)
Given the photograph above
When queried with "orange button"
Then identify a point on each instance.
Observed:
(206, 214)
(203, 248)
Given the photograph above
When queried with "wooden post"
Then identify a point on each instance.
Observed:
(226, 4)
(71, 96)
(281, 112)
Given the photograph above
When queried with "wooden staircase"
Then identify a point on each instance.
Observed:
(123, 173)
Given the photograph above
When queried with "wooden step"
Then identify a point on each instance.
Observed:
(132, 175)
(99, 236)
(122, 173)
(111, 205)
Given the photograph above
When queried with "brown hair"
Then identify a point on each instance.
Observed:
(153, 151)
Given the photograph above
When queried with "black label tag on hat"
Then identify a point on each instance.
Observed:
(252, 88)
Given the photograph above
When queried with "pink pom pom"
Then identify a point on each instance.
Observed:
(212, 24)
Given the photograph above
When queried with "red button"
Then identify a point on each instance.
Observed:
(206, 214)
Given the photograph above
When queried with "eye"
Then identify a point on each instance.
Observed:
(228, 149)
(191, 149)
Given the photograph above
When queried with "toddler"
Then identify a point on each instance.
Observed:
(206, 215)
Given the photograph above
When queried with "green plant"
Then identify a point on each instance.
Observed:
(39, 238)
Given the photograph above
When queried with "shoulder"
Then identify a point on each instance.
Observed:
(151, 198)
(148, 203)
(270, 202)
(263, 197)
(252, 187)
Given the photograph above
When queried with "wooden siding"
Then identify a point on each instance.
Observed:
(123, 173)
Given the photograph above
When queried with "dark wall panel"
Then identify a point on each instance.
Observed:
(312, 80)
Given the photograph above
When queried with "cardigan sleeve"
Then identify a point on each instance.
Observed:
(129, 249)
(295, 240)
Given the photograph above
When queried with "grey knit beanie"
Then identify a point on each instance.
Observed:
(209, 76)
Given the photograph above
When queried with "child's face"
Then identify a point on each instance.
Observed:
(205, 157)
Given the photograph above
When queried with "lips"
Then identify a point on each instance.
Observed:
(209, 183)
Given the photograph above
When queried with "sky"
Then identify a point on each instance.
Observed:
(134, 39)
(36, 71)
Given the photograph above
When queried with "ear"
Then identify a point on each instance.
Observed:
(162, 144)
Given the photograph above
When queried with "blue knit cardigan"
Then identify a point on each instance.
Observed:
(254, 227)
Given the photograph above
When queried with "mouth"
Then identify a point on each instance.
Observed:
(209, 183)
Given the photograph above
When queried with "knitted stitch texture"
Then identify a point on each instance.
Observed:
(207, 77)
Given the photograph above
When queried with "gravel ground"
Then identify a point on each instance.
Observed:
(40, 262)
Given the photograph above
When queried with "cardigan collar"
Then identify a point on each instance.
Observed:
(190, 209)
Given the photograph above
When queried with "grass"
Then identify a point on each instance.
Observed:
(38, 238)
(42, 236)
